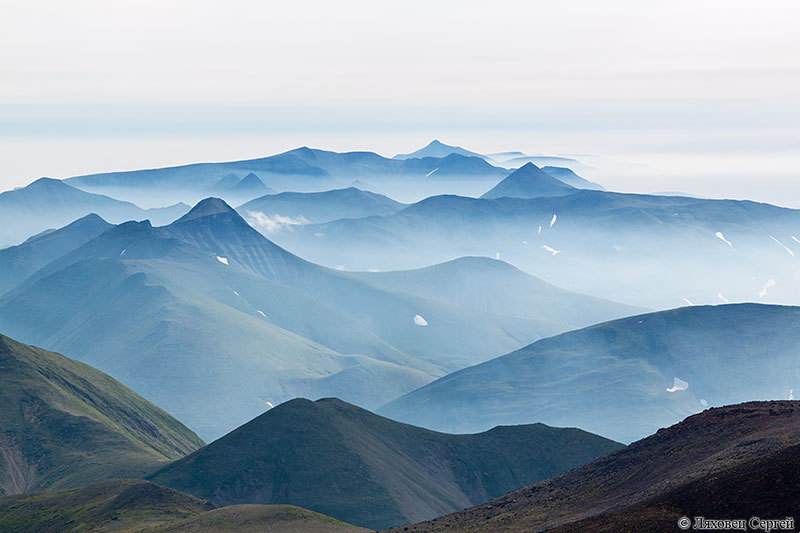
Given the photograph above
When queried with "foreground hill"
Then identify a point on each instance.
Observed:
(338, 459)
(136, 505)
(730, 462)
(625, 378)
(64, 424)
(48, 203)
(316, 207)
(208, 305)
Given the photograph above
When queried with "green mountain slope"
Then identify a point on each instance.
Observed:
(340, 460)
(624, 378)
(736, 461)
(64, 424)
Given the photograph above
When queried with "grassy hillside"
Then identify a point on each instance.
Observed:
(65, 424)
(136, 505)
(734, 461)
(343, 461)
(624, 379)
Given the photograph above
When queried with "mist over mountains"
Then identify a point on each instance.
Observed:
(523, 318)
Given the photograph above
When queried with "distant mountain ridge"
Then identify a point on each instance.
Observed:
(438, 149)
(338, 459)
(625, 378)
(50, 203)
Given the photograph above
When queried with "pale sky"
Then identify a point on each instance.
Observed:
(681, 95)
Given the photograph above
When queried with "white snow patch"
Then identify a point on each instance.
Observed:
(428, 175)
(688, 301)
(274, 222)
(223, 260)
(123, 251)
(340, 267)
(721, 237)
(768, 285)
(788, 250)
(553, 220)
(540, 230)
(551, 250)
(260, 312)
(678, 384)
(524, 242)
(236, 293)
(795, 239)
(721, 297)
(270, 405)
(703, 402)
(791, 394)
(373, 270)
(497, 256)
(419, 321)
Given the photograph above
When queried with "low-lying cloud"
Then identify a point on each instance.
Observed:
(274, 222)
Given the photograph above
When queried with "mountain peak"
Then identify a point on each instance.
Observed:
(529, 181)
(207, 207)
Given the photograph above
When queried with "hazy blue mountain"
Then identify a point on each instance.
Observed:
(725, 462)
(652, 251)
(209, 306)
(529, 181)
(570, 178)
(21, 261)
(251, 184)
(49, 203)
(65, 424)
(226, 183)
(435, 148)
(302, 169)
(271, 211)
(625, 378)
(338, 459)
(493, 286)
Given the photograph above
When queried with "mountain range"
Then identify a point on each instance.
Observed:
(651, 251)
(49, 203)
(624, 379)
(208, 304)
(343, 461)
(65, 424)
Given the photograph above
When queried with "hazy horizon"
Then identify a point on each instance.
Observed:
(669, 104)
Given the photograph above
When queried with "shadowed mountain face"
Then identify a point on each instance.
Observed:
(65, 424)
(49, 203)
(21, 261)
(270, 212)
(529, 181)
(335, 458)
(731, 462)
(653, 251)
(624, 379)
(207, 305)
(137, 505)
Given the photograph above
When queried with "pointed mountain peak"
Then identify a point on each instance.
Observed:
(528, 167)
(205, 208)
(250, 182)
(529, 181)
(435, 143)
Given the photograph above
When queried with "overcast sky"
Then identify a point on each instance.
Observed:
(679, 95)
